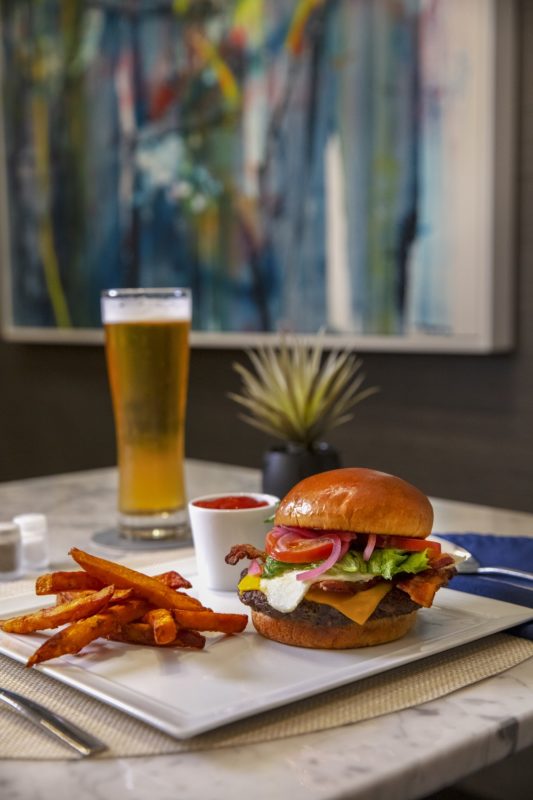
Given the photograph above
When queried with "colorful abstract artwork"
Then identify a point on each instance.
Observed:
(299, 164)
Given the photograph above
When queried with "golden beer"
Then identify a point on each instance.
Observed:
(148, 365)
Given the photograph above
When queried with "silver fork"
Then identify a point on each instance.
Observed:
(53, 724)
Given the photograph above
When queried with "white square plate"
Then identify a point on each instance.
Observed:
(184, 693)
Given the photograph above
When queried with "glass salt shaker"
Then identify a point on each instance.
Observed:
(10, 551)
(34, 531)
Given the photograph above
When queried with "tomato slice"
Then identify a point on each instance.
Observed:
(406, 543)
(293, 549)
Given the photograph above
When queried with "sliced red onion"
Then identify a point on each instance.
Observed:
(369, 549)
(310, 533)
(304, 533)
(276, 531)
(254, 568)
(333, 557)
(345, 546)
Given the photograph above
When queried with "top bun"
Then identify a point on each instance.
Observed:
(359, 500)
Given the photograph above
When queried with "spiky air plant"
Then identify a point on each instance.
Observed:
(297, 393)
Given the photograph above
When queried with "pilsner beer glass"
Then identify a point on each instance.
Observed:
(147, 352)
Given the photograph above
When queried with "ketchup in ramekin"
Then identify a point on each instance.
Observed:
(221, 520)
(231, 502)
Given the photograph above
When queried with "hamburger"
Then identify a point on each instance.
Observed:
(346, 564)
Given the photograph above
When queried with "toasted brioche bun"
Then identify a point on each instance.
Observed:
(359, 500)
(299, 634)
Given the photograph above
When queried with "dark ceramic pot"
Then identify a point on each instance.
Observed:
(285, 465)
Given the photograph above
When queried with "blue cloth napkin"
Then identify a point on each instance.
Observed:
(497, 551)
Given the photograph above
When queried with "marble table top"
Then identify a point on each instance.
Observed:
(402, 755)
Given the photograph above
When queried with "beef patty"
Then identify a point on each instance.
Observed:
(394, 604)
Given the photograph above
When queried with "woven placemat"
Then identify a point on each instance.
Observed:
(401, 688)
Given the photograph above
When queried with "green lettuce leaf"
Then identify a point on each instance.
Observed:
(273, 568)
(385, 563)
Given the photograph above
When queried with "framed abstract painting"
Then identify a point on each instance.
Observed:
(344, 165)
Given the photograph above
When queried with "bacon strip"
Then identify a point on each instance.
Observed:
(174, 580)
(440, 561)
(422, 588)
(239, 551)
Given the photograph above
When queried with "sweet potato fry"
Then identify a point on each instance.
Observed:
(54, 582)
(54, 616)
(76, 636)
(151, 589)
(65, 597)
(79, 580)
(118, 596)
(142, 633)
(207, 620)
(134, 633)
(186, 638)
(163, 625)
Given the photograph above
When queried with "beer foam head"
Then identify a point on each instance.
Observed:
(145, 305)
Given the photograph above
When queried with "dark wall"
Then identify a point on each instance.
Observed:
(458, 426)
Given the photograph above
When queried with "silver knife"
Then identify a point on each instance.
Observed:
(53, 724)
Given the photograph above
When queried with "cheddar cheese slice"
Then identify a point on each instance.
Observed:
(357, 607)
(249, 583)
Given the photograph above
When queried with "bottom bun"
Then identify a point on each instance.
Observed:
(375, 631)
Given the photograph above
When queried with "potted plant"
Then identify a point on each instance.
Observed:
(297, 393)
